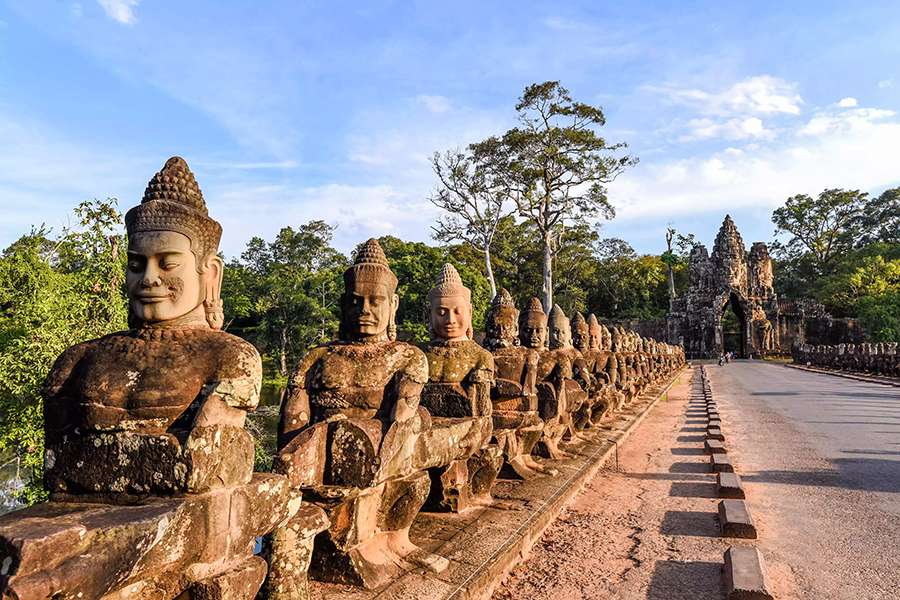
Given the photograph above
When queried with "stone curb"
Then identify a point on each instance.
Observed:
(484, 579)
(728, 485)
(745, 574)
(844, 375)
(735, 520)
(721, 463)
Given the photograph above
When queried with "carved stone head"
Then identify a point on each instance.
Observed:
(369, 303)
(581, 334)
(533, 325)
(615, 340)
(560, 331)
(450, 307)
(174, 274)
(595, 333)
(606, 339)
(502, 323)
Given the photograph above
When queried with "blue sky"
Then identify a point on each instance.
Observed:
(292, 111)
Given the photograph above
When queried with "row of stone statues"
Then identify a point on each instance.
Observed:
(881, 359)
(150, 468)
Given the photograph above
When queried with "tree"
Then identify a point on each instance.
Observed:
(56, 292)
(554, 166)
(880, 221)
(822, 228)
(474, 200)
(284, 294)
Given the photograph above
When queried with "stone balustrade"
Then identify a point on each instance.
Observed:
(879, 358)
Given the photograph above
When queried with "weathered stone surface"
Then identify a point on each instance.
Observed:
(735, 520)
(728, 485)
(714, 446)
(721, 463)
(745, 574)
(242, 582)
(714, 433)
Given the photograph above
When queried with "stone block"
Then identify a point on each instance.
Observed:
(241, 582)
(721, 463)
(714, 433)
(745, 575)
(728, 485)
(735, 520)
(714, 447)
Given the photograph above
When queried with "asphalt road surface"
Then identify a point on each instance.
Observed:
(819, 457)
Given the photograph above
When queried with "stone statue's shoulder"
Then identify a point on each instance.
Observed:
(483, 358)
(408, 358)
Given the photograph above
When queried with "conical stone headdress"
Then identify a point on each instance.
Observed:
(578, 322)
(558, 317)
(449, 284)
(371, 266)
(534, 310)
(173, 202)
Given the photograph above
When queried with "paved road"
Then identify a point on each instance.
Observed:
(820, 459)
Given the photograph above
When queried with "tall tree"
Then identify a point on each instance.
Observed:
(555, 166)
(474, 200)
(822, 228)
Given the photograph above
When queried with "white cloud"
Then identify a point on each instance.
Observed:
(885, 83)
(732, 129)
(434, 104)
(762, 94)
(120, 10)
(848, 148)
(847, 102)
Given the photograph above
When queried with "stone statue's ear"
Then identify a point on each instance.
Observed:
(392, 323)
(213, 273)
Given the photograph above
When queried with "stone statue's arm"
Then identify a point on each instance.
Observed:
(529, 374)
(581, 373)
(57, 393)
(295, 411)
(478, 384)
(234, 391)
(409, 383)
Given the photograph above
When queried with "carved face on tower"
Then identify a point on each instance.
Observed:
(174, 274)
(450, 307)
(533, 325)
(581, 334)
(502, 323)
(369, 303)
(560, 330)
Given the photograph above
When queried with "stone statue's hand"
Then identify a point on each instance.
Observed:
(404, 409)
(216, 411)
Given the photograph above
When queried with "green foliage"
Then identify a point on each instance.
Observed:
(417, 266)
(56, 292)
(283, 295)
(843, 249)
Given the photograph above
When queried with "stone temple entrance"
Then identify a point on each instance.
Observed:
(730, 295)
(734, 328)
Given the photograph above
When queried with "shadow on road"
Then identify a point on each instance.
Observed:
(865, 474)
(693, 489)
(690, 523)
(689, 467)
(676, 580)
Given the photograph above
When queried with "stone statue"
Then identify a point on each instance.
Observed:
(148, 464)
(349, 428)
(552, 406)
(517, 426)
(460, 377)
(578, 382)
(587, 339)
